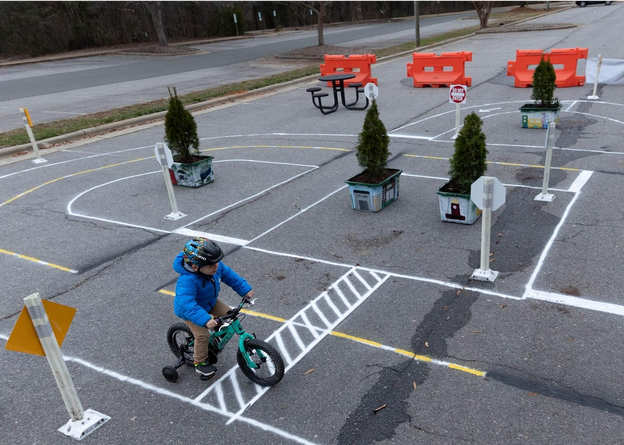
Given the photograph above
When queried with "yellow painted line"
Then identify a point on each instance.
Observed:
(71, 176)
(465, 369)
(35, 260)
(500, 163)
(357, 339)
(259, 314)
(421, 358)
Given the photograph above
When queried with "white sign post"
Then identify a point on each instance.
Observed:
(31, 136)
(165, 159)
(488, 193)
(457, 96)
(371, 91)
(81, 422)
(550, 136)
(236, 24)
(593, 96)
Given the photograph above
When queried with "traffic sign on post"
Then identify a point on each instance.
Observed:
(163, 155)
(499, 193)
(488, 194)
(458, 94)
(371, 91)
(165, 159)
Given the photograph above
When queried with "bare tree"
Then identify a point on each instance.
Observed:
(483, 9)
(319, 8)
(155, 11)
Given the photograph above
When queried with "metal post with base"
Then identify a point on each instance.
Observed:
(550, 136)
(593, 96)
(81, 422)
(165, 159)
(488, 194)
(28, 124)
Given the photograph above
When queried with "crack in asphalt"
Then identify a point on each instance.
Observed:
(395, 385)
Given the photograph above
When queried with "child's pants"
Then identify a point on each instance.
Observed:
(202, 333)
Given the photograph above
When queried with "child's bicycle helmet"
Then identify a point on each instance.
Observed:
(202, 252)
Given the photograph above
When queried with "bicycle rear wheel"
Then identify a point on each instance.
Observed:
(270, 366)
(180, 340)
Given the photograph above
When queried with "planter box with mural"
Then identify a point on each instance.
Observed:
(457, 208)
(193, 175)
(538, 117)
(374, 197)
(546, 107)
(376, 187)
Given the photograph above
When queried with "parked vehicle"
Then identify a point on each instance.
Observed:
(583, 4)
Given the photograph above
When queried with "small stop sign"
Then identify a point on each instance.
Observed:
(457, 94)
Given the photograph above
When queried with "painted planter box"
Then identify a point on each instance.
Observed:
(457, 208)
(192, 175)
(533, 117)
(374, 197)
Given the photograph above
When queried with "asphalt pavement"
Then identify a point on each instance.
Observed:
(385, 336)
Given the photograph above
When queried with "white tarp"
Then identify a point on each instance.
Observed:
(611, 71)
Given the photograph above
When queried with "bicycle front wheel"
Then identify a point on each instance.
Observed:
(270, 366)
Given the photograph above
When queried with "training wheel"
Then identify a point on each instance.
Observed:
(170, 373)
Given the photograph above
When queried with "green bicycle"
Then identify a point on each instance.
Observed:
(260, 362)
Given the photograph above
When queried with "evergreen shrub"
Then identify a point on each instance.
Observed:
(180, 130)
(468, 162)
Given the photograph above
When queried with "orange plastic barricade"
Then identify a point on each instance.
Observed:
(564, 61)
(428, 69)
(358, 64)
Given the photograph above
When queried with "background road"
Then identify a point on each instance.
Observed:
(66, 88)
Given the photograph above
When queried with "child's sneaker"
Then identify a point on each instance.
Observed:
(205, 369)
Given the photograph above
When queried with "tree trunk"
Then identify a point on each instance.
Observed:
(483, 9)
(155, 10)
(321, 15)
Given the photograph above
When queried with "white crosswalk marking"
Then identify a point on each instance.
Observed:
(296, 337)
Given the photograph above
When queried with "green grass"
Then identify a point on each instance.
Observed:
(65, 126)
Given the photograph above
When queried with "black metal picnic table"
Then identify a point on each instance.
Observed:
(338, 87)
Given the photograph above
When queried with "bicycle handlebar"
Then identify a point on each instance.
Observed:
(233, 313)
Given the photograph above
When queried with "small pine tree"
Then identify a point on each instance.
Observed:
(373, 142)
(469, 159)
(180, 130)
(544, 78)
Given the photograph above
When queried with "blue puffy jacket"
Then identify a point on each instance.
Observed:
(197, 294)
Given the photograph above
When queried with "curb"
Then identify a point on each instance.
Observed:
(136, 121)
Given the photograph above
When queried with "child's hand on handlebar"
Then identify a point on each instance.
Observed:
(212, 323)
(248, 296)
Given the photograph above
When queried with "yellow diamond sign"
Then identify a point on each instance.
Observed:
(24, 337)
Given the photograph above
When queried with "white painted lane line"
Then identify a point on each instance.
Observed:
(212, 236)
(293, 346)
(540, 262)
(165, 392)
(362, 280)
(568, 300)
(262, 192)
(298, 214)
(580, 181)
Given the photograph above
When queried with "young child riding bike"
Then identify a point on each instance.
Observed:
(197, 289)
